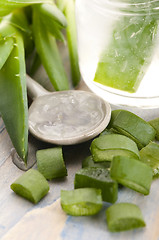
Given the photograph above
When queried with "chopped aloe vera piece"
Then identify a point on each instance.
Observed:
(124, 62)
(150, 156)
(97, 178)
(108, 131)
(50, 163)
(104, 148)
(132, 126)
(89, 162)
(131, 173)
(123, 217)
(81, 202)
(155, 124)
(31, 185)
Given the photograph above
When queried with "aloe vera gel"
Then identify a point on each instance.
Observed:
(118, 49)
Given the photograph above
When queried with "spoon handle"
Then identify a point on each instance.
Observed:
(35, 89)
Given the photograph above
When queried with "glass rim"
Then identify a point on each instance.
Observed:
(135, 7)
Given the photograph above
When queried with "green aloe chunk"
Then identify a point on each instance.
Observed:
(123, 217)
(124, 61)
(131, 173)
(104, 148)
(150, 156)
(132, 126)
(155, 124)
(6, 47)
(50, 163)
(49, 54)
(108, 132)
(97, 178)
(31, 185)
(13, 97)
(89, 162)
(69, 11)
(81, 202)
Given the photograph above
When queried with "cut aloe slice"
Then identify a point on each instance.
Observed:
(97, 178)
(131, 173)
(150, 156)
(50, 163)
(124, 216)
(89, 162)
(104, 148)
(31, 185)
(155, 124)
(132, 126)
(126, 58)
(108, 131)
(81, 202)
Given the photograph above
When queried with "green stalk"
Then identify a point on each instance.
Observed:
(69, 12)
(13, 97)
(47, 49)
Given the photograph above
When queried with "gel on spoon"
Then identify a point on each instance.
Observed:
(66, 117)
(63, 118)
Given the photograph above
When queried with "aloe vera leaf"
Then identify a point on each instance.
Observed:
(53, 14)
(97, 178)
(7, 6)
(150, 156)
(61, 4)
(124, 62)
(6, 30)
(89, 162)
(131, 173)
(155, 124)
(6, 47)
(48, 51)
(105, 147)
(132, 126)
(81, 202)
(18, 19)
(35, 64)
(50, 163)
(69, 12)
(31, 185)
(13, 97)
(53, 19)
(123, 217)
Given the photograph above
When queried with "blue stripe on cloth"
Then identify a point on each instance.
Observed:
(73, 229)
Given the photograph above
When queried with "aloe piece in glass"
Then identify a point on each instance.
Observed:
(125, 60)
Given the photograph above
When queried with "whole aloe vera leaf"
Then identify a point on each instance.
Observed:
(6, 47)
(126, 58)
(53, 13)
(48, 51)
(69, 12)
(7, 6)
(18, 19)
(6, 30)
(13, 97)
(53, 19)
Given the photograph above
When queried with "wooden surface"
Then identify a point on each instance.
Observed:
(21, 220)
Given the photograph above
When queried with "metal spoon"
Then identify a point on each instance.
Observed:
(66, 117)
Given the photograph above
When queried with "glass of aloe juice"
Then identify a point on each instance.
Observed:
(118, 47)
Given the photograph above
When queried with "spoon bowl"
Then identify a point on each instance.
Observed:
(66, 117)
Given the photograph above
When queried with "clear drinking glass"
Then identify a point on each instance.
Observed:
(118, 47)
